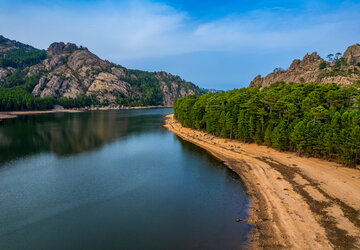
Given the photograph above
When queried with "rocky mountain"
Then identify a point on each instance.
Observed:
(343, 70)
(70, 71)
(7, 45)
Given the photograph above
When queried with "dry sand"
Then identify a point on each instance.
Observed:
(14, 114)
(297, 202)
(125, 108)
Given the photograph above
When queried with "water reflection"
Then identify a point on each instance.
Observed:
(68, 134)
(114, 180)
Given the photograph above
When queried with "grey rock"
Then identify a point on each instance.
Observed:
(308, 70)
(58, 48)
(352, 54)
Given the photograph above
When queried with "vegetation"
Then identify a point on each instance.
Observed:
(337, 66)
(19, 99)
(21, 58)
(16, 90)
(145, 88)
(323, 65)
(78, 102)
(145, 83)
(311, 119)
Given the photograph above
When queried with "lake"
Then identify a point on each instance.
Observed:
(114, 180)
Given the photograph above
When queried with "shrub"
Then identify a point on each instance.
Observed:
(323, 65)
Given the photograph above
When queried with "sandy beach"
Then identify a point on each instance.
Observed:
(297, 202)
(14, 114)
(125, 108)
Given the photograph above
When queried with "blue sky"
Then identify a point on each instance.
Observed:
(217, 44)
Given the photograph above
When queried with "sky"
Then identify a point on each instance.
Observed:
(214, 44)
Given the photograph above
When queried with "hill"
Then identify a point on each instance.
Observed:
(72, 76)
(343, 70)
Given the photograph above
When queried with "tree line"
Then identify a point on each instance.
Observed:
(18, 98)
(311, 119)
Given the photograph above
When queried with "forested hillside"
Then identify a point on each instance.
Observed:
(311, 119)
(72, 76)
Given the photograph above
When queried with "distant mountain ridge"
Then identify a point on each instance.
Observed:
(70, 71)
(343, 70)
(211, 90)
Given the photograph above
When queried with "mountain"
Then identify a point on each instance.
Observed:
(7, 44)
(211, 90)
(343, 70)
(67, 71)
(15, 55)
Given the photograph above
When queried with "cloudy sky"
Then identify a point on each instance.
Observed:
(213, 43)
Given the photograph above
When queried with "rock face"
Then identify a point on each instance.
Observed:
(352, 54)
(312, 68)
(69, 71)
(58, 48)
(4, 73)
(171, 89)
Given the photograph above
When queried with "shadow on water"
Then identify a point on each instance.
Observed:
(217, 166)
(210, 160)
(72, 133)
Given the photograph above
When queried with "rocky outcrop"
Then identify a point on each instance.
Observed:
(59, 48)
(70, 71)
(4, 73)
(312, 68)
(172, 88)
(352, 54)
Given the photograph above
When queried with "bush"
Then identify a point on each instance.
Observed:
(323, 65)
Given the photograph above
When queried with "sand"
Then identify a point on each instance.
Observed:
(296, 202)
(125, 108)
(15, 114)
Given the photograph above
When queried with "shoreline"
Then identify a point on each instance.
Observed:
(15, 114)
(296, 202)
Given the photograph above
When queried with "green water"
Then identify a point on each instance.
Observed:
(113, 180)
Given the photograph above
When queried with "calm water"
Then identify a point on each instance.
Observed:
(113, 180)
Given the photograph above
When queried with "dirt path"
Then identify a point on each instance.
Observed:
(298, 203)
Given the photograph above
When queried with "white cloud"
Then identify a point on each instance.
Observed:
(141, 30)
